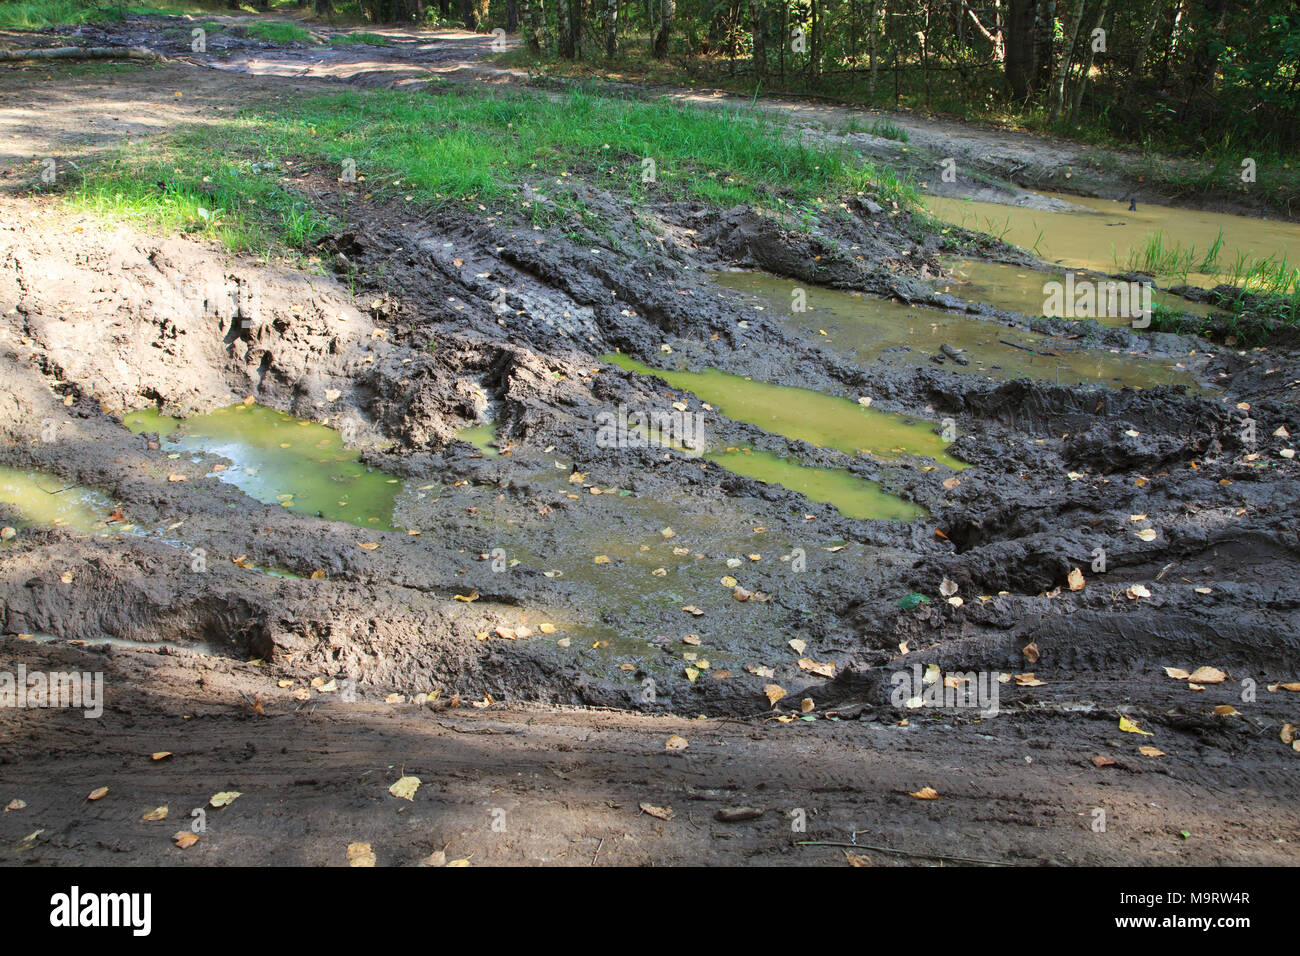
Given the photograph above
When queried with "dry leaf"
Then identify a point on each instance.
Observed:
(97, 794)
(405, 787)
(360, 854)
(663, 813)
(225, 798)
(675, 743)
(1137, 591)
(1148, 751)
(158, 813)
(1207, 675)
(184, 839)
(1075, 579)
(1225, 710)
(1177, 673)
(1102, 762)
(825, 670)
(368, 545)
(1031, 652)
(925, 793)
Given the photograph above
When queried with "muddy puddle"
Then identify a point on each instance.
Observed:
(797, 413)
(37, 498)
(1019, 289)
(482, 437)
(869, 330)
(1106, 236)
(278, 459)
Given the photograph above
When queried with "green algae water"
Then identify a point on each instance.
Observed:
(278, 459)
(482, 437)
(852, 496)
(41, 499)
(870, 329)
(799, 413)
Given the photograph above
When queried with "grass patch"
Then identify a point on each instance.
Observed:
(519, 153)
(350, 39)
(186, 185)
(279, 31)
(456, 144)
(41, 14)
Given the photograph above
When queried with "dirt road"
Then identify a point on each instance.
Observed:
(375, 653)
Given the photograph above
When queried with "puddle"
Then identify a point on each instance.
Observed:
(42, 499)
(279, 459)
(1104, 234)
(482, 437)
(870, 329)
(798, 413)
(852, 496)
(1018, 289)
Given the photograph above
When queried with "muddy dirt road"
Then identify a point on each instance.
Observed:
(533, 621)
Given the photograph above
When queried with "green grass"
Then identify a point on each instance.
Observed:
(187, 186)
(279, 31)
(40, 14)
(458, 144)
(373, 39)
(494, 152)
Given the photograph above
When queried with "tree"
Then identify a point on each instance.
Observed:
(667, 12)
(611, 28)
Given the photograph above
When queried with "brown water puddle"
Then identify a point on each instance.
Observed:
(872, 330)
(1105, 236)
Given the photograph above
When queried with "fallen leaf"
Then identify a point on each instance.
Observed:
(467, 598)
(1129, 727)
(1075, 580)
(404, 788)
(368, 545)
(1207, 675)
(1177, 673)
(925, 793)
(184, 839)
(97, 794)
(225, 798)
(675, 743)
(1103, 762)
(1148, 751)
(1225, 710)
(160, 754)
(1031, 652)
(1028, 680)
(663, 813)
(825, 670)
(1137, 591)
(158, 813)
(1147, 534)
(15, 804)
(360, 854)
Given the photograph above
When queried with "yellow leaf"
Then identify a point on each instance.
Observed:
(404, 788)
(1177, 673)
(158, 813)
(1208, 675)
(825, 670)
(1075, 579)
(1129, 727)
(774, 692)
(360, 854)
(925, 793)
(225, 798)
(184, 839)
(161, 754)
(472, 596)
(675, 743)
(1151, 751)
(318, 575)
(1225, 710)
(97, 794)
(368, 545)
(600, 559)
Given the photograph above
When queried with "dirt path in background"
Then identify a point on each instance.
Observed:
(393, 335)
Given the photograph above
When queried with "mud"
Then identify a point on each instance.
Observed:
(488, 587)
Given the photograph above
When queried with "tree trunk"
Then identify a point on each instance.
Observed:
(1019, 65)
(512, 16)
(534, 21)
(563, 30)
(1067, 58)
(1087, 63)
(323, 7)
(875, 30)
(757, 12)
(611, 28)
(467, 14)
(667, 12)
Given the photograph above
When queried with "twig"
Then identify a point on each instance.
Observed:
(597, 853)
